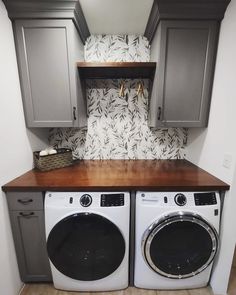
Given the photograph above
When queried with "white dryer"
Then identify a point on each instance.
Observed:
(88, 240)
(176, 239)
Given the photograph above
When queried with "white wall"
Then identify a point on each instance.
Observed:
(16, 148)
(207, 147)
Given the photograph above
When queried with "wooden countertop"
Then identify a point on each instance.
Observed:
(119, 175)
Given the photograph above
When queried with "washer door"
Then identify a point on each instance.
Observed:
(180, 245)
(86, 246)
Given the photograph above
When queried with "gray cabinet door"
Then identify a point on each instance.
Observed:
(185, 67)
(30, 244)
(47, 54)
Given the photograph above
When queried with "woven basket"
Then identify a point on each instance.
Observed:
(63, 158)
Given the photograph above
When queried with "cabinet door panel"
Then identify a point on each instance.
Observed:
(45, 53)
(30, 243)
(184, 73)
(182, 87)
(49, 73)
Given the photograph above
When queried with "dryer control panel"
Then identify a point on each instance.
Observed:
(181, 200)
(202, 199)
(110, 200)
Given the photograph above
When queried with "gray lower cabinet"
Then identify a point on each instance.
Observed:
(47, 52)
(185, 52)
(27, 221)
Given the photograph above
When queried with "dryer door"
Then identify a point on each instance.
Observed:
(86, 246)
(180, 246)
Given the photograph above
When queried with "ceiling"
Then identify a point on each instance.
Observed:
(116, 16)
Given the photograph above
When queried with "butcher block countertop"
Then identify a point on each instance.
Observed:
(119, 175)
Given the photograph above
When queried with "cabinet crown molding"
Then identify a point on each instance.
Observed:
(184, 10)
(49, 9)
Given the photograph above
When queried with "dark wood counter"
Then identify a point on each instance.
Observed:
(119, 175)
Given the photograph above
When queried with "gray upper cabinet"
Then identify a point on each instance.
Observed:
(181, 92)
(47, 53)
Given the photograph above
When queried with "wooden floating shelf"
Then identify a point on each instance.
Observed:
(117, 70)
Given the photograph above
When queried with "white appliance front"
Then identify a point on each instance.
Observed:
(88, 239)
(176, 239)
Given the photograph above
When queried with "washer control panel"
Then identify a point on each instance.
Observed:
(180, 199)
(110, 200)
(86, 200)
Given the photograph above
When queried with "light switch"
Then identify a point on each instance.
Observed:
(227, 162)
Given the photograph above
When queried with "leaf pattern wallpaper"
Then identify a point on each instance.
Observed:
(118, 126)
(102, 48)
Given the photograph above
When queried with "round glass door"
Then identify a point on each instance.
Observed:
(86, 246)
(180, 245)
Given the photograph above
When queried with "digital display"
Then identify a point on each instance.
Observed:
(202, 199)
(108, 200)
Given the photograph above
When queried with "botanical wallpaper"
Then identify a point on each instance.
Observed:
(118, 126)
(101, 48)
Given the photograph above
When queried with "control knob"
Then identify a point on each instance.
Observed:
(85, 200)
(180, 199)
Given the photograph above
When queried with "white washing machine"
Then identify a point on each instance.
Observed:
(176, 239)
(88, 240)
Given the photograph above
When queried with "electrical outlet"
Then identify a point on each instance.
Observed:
(227, 161)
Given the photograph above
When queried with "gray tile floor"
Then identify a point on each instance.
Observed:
(48, 289)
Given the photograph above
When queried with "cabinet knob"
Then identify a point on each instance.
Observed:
(74, 113)
(159, 114)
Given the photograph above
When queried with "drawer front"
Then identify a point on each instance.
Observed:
(25, 200)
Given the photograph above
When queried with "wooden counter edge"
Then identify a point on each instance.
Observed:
(219, 186)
